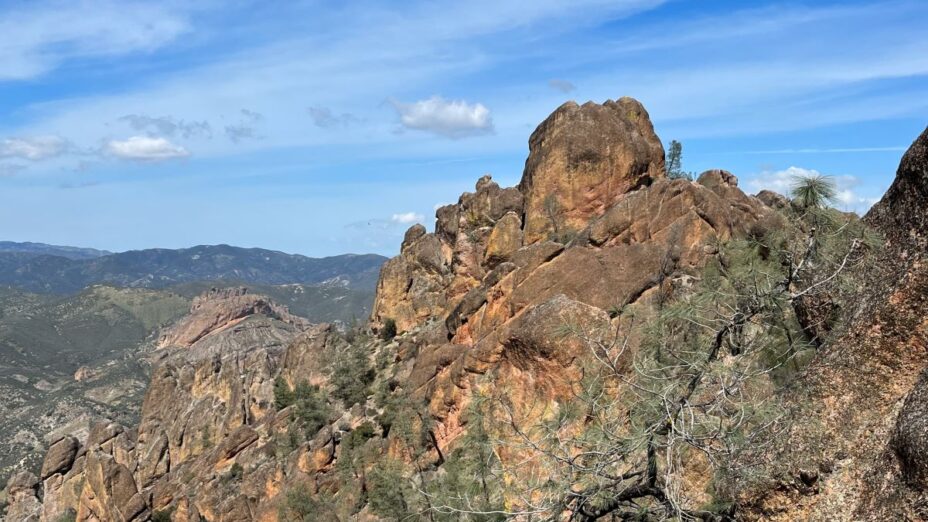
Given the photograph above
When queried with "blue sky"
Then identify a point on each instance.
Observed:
(328, 127)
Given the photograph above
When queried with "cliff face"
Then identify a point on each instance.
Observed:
(595, 236)
(211, 394)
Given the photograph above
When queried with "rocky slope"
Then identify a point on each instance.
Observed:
(594, 237)
(69, 360)
(859, 433)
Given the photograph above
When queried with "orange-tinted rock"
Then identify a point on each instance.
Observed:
(582, 160)
(505, 240)
(218, 309)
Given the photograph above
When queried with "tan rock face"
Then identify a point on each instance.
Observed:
(434, 271)
(218, 309)
(110, 492)
(582, 160)
(504, 240)
(60, 456)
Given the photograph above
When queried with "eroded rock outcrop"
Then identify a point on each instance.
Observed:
(595, 171)
(582, 160)
(222, 308)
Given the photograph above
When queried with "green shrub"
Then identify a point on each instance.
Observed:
(388, 491)
(299, 505)
(165, 515)
(388, 332)
(358, 436)
(283, 395)
(311, 410)
(352, 376)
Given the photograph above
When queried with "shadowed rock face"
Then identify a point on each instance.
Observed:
(900, 214)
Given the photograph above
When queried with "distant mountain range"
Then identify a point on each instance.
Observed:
(44, 268)
(52, 250)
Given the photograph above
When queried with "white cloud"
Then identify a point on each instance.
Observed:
(40, 35)
(561, 85)
(33, 148)
(847, 187)
(145, 148)
(450, 118)
(407, 218)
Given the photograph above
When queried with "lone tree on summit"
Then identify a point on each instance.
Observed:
(674, 161)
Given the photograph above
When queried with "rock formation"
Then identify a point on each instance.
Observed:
(583, 159)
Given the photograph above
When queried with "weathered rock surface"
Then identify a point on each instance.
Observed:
(860, 417)
(60, 456)
(582, 160)
(633, 233)
(434, 271)
(212, 383)
(22, 496)
(219, 309)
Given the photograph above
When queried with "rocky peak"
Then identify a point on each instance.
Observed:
(580, 185)
(220, 308)
(584, 158)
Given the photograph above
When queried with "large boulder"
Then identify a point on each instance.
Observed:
(504, 240)
(110, 492)
(584, 158)
(59, 458)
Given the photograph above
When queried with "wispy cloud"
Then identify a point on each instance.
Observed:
(145, 148)
(406, 218)
(38, 36)
(246, 128)
(10, 169)
(561, 85)
(34, 148)
(449, 118)
(845, 150)
(168, 126)
(324, 117)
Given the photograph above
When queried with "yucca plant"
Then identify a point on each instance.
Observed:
(813, 191)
